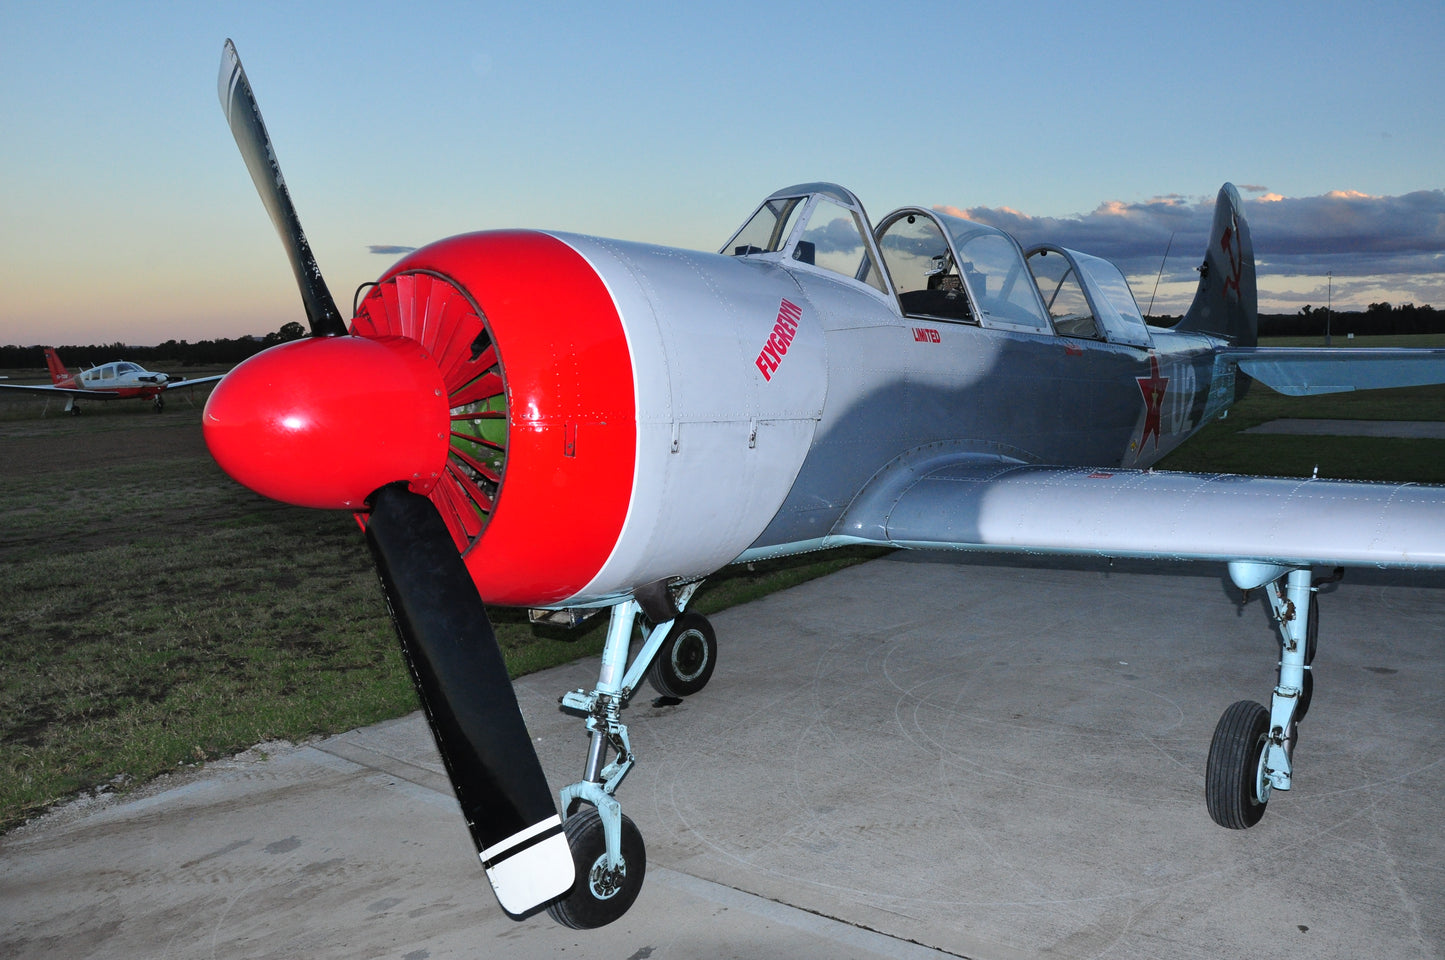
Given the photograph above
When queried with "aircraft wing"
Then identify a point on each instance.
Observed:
(103, 394)
(1302, 371)
(972, 502)
(51, 388)
(172, 384)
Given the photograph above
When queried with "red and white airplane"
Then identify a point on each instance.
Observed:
(570, 423)
(116, 380)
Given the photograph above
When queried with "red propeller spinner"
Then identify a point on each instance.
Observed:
(322, 422)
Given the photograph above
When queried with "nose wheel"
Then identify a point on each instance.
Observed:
(603, 892)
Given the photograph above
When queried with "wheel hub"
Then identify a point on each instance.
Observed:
(1262, 783)
(606, 883)
(689, 655)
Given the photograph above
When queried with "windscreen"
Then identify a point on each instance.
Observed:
(768, 229)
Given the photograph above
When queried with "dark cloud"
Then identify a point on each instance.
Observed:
(840, 235)
(389, 249)
(1348, 233)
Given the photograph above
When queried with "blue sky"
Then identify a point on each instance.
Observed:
(127, 214)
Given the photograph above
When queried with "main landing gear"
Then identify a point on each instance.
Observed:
(677, 657)
(1253, 748)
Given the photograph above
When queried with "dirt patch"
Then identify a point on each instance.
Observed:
(58, 444)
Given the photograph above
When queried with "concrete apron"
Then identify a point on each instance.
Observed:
(916, 757)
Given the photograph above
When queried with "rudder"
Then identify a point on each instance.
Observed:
(57, 369)
(1227, 302)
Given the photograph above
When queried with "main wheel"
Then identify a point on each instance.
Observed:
(600, 895)
(685, 662)
(1234, 784)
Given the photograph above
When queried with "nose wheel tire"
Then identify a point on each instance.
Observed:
(1234, 784)
(685, 662)
(600, 895)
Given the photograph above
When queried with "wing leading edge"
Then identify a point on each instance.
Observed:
(979, 503)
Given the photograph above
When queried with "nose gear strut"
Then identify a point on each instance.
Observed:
(606, 847)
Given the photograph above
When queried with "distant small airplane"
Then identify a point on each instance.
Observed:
(116, 380)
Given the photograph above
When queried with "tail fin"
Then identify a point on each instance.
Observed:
(1227, 303)
(57, 369)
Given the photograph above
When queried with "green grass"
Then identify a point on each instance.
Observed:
(1340, 340)
(1224, 447)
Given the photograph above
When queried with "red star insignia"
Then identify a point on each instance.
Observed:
(1153, 387)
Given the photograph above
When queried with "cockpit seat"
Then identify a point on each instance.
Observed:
(944, 303)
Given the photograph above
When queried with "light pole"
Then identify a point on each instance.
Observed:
(1329, 302)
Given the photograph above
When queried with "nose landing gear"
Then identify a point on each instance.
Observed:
(678, 657)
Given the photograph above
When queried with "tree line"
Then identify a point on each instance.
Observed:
(181, 353)
(1379, 319)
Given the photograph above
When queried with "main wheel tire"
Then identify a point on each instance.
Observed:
(600, 895)
(1232, 776)
(685, 662)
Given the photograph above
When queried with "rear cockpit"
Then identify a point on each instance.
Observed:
(948, 268)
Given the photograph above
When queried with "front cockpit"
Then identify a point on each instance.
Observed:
(818, 225)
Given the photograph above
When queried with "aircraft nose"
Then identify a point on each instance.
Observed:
(325, 421)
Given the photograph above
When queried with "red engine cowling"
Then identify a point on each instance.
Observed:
(586, 415)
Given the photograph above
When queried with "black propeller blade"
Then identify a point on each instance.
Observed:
(458, 668)
(244, 117)
(445, 634)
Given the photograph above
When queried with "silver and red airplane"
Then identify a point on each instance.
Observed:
(116, 380)
(574, 424)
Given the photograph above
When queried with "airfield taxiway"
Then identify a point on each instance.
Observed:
(922, 756)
